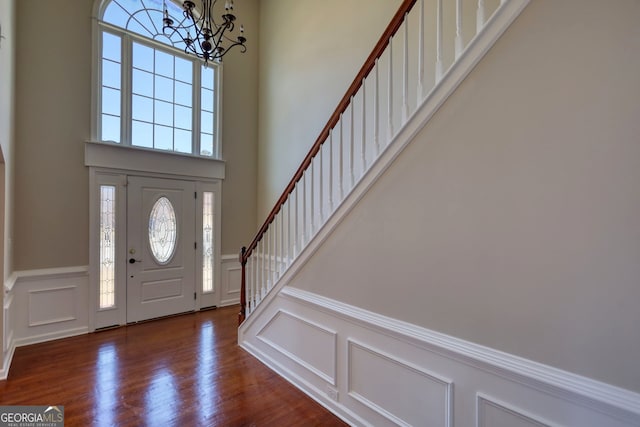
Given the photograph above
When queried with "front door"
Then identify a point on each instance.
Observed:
(161, 247)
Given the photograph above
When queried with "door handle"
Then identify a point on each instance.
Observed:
(133, 260)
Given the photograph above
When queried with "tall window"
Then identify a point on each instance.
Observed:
(107, 245)
(151, 93)
(207, 241)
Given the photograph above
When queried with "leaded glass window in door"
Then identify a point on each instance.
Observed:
(162, 231)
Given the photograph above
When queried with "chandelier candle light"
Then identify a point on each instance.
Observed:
(208, 36)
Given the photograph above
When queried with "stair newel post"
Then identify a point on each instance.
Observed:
(243, 291)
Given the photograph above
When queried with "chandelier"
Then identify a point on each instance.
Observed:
(208, 36)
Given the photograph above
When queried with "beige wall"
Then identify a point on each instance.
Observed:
(240, 134)
(53, 120)
(309, 54)
(513, 219)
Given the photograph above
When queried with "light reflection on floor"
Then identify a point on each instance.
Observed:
(206, 385)
(106, 385)
(162, 404)
(161, 394)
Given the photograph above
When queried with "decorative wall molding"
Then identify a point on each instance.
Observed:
(492, 388)
(45, 305)
(307, 336)
(491, 410)
(10, 282)
(7, 322)
(434, 410)
(51, 273)
(581, 390)
(42, 305)
(49, 304)
(8, 344)
(305, 386)
(118, 156)
(231, 280)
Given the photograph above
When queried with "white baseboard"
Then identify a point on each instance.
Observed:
(391, 372)
(8, 357)
(59, 334)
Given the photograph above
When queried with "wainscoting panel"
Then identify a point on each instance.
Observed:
(231, 280)
(497, 414)
(54, 305)
(408, 396)
(50, 304)
(391, 373)
(309, 345)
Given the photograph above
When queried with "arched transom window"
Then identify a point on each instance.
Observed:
(151, 94)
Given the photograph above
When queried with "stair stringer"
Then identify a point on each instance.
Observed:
(477, 48)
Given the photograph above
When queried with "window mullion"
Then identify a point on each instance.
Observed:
(126, 95)
(197, 106)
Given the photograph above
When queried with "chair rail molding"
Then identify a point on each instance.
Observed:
(376, 354)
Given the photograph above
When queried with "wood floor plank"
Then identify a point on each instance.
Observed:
(181, 371)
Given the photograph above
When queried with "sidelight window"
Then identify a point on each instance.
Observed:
(207, 242)
(107, 245)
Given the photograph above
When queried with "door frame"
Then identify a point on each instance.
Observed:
(110, 164)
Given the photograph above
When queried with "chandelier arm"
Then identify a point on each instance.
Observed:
(208, 36)
(219, 34)
(219, 54)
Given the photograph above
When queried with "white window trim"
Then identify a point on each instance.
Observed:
(96, 83)
(121, 157)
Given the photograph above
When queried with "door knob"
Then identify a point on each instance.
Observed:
(133, 260)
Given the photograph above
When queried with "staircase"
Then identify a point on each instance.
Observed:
(404, 277)
(426, 51)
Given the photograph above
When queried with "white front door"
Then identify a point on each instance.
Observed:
(161, 247)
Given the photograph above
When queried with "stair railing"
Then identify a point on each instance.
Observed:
(356, 134)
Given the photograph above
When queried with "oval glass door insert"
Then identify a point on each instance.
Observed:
(162, 230)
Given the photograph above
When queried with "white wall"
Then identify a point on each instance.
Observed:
(513, 219)
(309, 54)
(7, 100)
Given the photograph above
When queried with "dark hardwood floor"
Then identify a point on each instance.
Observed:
(181, 371)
